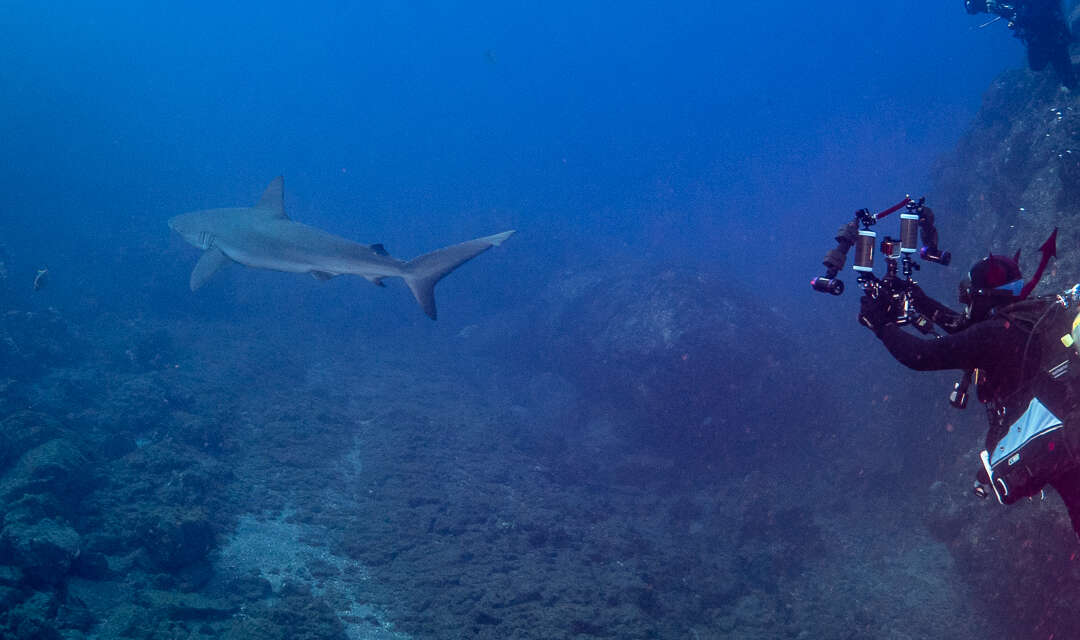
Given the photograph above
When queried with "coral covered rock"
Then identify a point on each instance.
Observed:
(43, 550)
(178, 538)
(56, 468)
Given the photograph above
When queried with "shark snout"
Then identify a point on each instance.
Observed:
(190, 235)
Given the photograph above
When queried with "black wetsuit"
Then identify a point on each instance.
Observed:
(1041, 25)
(997, 348)
(966, 349)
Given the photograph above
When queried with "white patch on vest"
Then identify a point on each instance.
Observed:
(1034, 422)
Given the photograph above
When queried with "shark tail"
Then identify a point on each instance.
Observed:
(423, 272)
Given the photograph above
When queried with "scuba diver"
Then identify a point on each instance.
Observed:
(1004, 343)
(1041, 26)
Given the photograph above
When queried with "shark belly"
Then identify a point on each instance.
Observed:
(264, 260)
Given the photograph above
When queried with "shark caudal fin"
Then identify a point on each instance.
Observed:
(422, 273)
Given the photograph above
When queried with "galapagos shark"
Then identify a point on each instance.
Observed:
(264, 237)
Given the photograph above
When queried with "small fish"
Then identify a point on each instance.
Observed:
(41, 279)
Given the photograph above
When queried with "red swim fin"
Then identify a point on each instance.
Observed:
(1048, 250)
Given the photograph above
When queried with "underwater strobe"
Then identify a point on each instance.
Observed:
(898, 254)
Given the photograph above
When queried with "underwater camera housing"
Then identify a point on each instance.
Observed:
(915, 221)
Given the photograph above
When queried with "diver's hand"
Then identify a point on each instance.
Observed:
(918, 295)
(939, 314)
(875, 313)
(926, 305)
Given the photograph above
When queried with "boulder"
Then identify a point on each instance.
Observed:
(694, 365)
(11, 576)
(22, 431)
(178, 538)
(31, 342)
(31, 619)
(43, 550)
(56, 468)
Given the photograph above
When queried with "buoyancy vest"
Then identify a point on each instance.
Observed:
(1033, 434)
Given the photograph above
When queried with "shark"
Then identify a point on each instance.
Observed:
(264, 237)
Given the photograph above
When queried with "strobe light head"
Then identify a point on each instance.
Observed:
(825, 284)
(933, 254)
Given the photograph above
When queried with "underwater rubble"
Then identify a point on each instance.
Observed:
(198, 479)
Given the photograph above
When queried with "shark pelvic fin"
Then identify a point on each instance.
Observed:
(212, 259)
(322, 275)
(423, 272)
(273, 199)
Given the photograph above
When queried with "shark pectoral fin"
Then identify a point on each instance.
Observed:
(212, 259)
(377, 281)
(322, 275)
(273, 199)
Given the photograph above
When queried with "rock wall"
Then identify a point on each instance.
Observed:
(1015, 176)
(1012, 178)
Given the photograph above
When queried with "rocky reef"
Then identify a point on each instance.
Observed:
(211, 480)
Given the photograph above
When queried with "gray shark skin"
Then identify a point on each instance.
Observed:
(263, 237)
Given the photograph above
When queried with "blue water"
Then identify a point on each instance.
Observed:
(721, 139)
(669, 131)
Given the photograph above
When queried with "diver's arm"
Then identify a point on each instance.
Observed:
(972, 348)
(939, 314)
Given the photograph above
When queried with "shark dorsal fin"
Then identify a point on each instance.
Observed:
(379, 249)
(273, 198)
